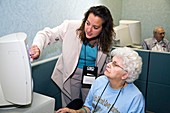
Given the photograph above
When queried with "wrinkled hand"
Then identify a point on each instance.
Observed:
(34, 52)
(65, 110)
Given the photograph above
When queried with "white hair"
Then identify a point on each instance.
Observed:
(131, 61)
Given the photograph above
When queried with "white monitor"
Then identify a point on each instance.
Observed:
(122, 37)
(135, 30)
(15, 71)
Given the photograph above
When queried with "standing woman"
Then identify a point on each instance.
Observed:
(84, 43)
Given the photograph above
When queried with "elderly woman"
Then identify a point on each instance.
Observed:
(115, 92)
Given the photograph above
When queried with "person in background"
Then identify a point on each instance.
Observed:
(114, 92)
(84, 43)
(158, 42)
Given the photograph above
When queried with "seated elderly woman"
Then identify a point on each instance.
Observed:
(114, 92)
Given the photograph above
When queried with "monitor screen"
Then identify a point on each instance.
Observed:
(15, 71)
(122, 37)
(135, 30)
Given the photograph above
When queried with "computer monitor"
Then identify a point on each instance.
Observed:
(15, 71)
(135, 30)
(122, 37)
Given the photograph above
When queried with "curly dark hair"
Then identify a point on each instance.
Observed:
(107, 33)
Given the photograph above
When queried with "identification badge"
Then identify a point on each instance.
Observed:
(89, 75)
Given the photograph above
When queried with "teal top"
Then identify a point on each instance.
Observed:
(87, 56)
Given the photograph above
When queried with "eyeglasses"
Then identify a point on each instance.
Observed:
(163, 33)
(115, 65)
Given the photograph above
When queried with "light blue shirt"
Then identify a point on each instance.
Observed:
(87, 56)
(130, 99)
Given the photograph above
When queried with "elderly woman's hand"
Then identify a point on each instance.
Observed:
(66, 110)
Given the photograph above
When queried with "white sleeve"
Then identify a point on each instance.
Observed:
(48, 35)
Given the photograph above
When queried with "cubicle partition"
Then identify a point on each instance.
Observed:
(158, 90)
(43, 84)
(141, 82)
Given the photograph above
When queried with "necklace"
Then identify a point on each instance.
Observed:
(102, 94)
(93, 43)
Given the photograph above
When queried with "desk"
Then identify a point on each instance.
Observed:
(40, 104)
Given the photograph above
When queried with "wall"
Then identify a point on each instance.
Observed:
(151, 13)
(30, 16)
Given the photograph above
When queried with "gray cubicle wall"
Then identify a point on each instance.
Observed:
(158, 91)
(141, 82)
(43, 84)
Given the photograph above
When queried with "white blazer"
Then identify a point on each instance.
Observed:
(71, 47)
